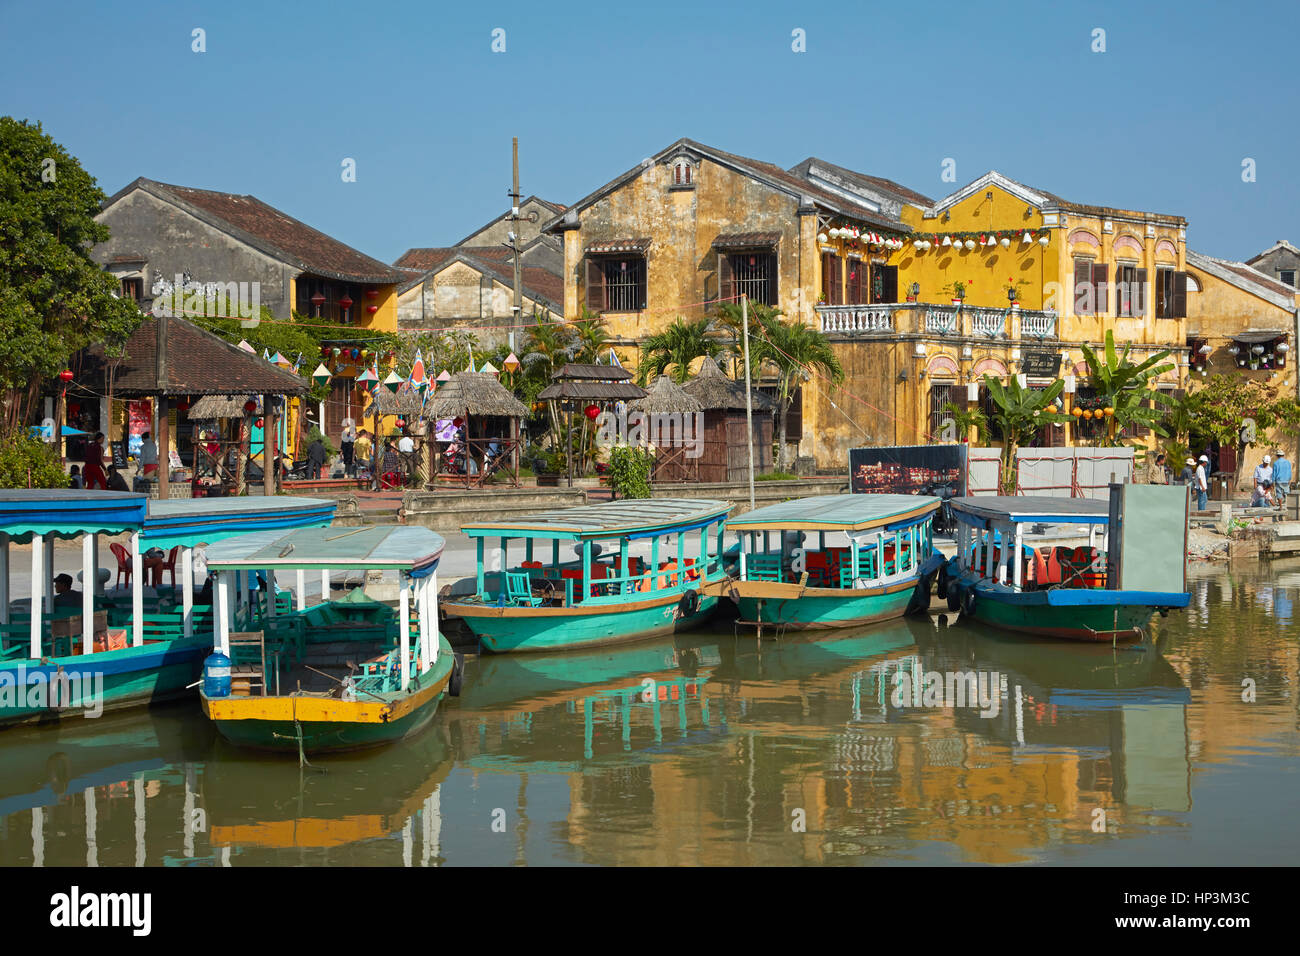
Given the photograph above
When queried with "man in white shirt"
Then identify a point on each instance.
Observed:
(347, 444)
(1263, 484)
(148, 455)
(1201, 484)
(406, 444)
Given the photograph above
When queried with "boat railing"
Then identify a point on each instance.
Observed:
(831, 567)
(607, 583)
(1045, 568)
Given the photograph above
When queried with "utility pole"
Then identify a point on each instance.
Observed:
(517, 310)
(749, 398)
(163, 437)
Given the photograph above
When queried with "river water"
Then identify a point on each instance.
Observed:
(915, 742)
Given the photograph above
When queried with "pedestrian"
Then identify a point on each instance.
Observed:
(362, 451)
(74, 478)
(115, 482)
(1282, 478)
(1201, 484)
(64, 596)
(315, 457)
(1263, 481)
(1156, 469)
(347, 446)
(148, 456)
(1188, 473)
(92, 471)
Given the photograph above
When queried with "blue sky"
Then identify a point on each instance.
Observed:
(1161, 121)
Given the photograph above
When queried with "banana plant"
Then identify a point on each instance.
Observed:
(1018, 412)
(1126, 388)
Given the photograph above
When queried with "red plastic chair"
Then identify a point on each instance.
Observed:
(123, 563)
(169, 566)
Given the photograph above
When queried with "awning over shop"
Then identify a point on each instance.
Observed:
(747, 240)
(615, 246)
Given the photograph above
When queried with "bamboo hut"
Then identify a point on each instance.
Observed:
(672, 424)
(723, 401)
(221, 448)
(406, 406)
(577, 385)
(487, 415)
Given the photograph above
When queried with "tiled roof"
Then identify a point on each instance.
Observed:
(1245, 277)
(538, 284)
(746, 240)
(877, 182)
(198, 363)
(425, 259)
(266, 228)
(618, 245)
(1280, 244)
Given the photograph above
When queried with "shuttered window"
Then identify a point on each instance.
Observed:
(1084, 301)
(884, 283)
(856, 291)
(1130, 291)
(832, 287)
(1171, 294)
(1099, 287)
(616, 283)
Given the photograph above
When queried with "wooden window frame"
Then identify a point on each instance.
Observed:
(598, 268)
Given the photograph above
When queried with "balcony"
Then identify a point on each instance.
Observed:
(859, 318)
(979, 322)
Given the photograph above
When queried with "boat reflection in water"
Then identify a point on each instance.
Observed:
(376, 808)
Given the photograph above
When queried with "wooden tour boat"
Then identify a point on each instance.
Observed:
(340, 675)
(873, 559)
(546, 602)
(1133, 566)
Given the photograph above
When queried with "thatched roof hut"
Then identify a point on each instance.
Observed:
(714, 390)
(406, 401)
(211, 407)
(474, 394)
(665, 397)
(591, 383)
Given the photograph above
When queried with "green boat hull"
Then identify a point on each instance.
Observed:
(336, 736)
(100, 682)
(558, 632)
(847, 610)
(1081, 623)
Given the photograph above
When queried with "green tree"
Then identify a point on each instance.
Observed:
(797, 352)
(1235, 411)
(1126, 387)
(26, 462)
(549, 346)
(54, 299)
(672, 350)
(591, 338)
(964, 420)
(1018, 412)
(730, 323)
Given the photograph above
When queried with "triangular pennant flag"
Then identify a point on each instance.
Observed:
(613, 359)
(418, 374)
(471, 362)
(243, 344)
(367, 376)
(489, 368)
(444, 376)
(267, 355)
(511, 364)
(321, 375)
(393, 382)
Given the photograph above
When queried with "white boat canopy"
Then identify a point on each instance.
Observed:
(627, 518)
(986, 510)
(837, 513)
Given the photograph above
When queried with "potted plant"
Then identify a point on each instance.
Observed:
(959, 292)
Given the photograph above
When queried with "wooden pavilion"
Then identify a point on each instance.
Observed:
(725, 428)
(577, 385)
(488, 416)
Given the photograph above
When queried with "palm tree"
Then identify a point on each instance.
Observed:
(796, 351)
(731, 323)
(964, 420)
(591, 337)
(1018, 412)
(549, 346)
(675, 348)
(1125, 388)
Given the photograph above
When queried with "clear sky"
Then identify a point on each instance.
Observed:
(1160, 121)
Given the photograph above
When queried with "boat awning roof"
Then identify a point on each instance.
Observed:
(629, 518)
(191, 521)
(66, 513)
(983, 509)
(372, 547)
(836, 513)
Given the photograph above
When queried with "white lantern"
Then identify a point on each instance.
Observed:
(1006, 243)
(920, 244)
(1026, 238)
(1257, 349)
(947, 240)
(1283, 347)
(972, 391)
(991, 241)
(822, 237)
(1043, 240)
(1023, 379)
(966, 351)
(970, 243)
(1069, 384)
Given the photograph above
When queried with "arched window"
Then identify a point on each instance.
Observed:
(683, 174)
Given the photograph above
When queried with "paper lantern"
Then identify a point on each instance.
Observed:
(822, 237)
(250, 406)
(346, 301)
(354, 352)
(1077, 412)
(258, 423)
(1108, 412)
(970, 244)
(372, 309)
(1087, 413)
(1026, 238)
(458, 421)
(372, 293)
(401, 423)
(1043, 241)
(336, 351)
(592, 412)
(947, 241)
(393, 382)
(321, 375)
(1006, 243)
(66, 375)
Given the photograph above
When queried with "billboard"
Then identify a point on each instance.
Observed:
(909, 470)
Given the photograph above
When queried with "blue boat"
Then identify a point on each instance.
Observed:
(1133, 566)
(108, 651)
(873, 559)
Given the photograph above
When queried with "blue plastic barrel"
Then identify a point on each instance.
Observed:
(216, 675)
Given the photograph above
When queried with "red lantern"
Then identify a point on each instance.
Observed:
(250, 406)
(346, 301)
(592, 412)
(372, 293)
(259, 423)
(458, 422)
(401, 423)
(318, 300)
(66, 375)
(372, 309)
